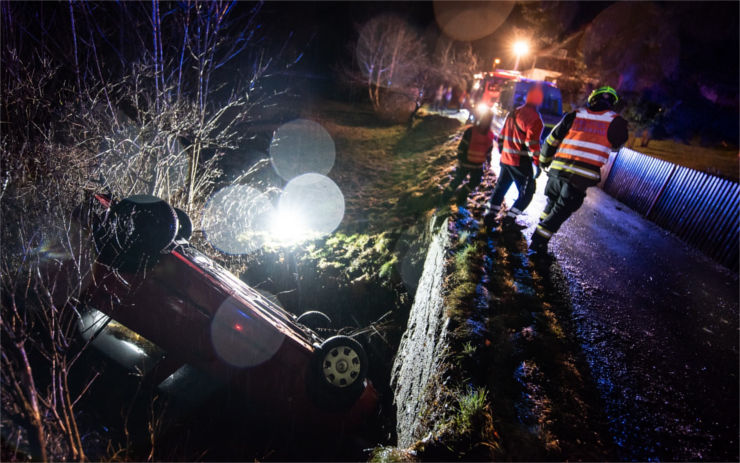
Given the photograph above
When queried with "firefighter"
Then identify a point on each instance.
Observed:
(473, 154)
(574, 151)
(519, 143)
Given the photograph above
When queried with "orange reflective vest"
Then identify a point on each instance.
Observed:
(480, 145)
(520, 136)
(586, 147)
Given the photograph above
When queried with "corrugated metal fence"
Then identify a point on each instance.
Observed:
(701, 209)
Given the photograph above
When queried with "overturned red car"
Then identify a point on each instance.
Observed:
(160, 306)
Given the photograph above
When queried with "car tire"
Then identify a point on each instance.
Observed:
(313, 319)
(338, 372)
(185, 225)
(137, 228)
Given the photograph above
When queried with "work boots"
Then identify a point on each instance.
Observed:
(538, 246)
(509, 223)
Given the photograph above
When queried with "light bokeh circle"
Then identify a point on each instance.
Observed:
(242, 338)
(471, 20)
(311, 205)
(236, 219)
(301, 146)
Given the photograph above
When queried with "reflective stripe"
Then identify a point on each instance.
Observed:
(513, 151)
(570, 159)
(496, 208)
(552, 141)
(511, 214)
(587, 144)
(543, 215)
(559, 165)
(543, 231)
(585, 155)
(607, 116)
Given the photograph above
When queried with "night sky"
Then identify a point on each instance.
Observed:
(708, 30)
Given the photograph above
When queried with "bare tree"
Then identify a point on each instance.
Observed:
(390, 56)
(44, 265)
(154, 123)
(174, 117)
(454, 62)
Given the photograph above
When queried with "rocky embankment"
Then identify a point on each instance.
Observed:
(489, 366)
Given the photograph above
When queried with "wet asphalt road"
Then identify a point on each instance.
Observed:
(658, 322)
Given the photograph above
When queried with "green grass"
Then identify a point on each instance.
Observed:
(472, 405)
(390, 455)
(722, 161)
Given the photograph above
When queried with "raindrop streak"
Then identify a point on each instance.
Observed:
(243, 340)
(236, 219)
(301, 146)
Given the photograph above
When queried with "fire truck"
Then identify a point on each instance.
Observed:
(501, 91)
(487, 87)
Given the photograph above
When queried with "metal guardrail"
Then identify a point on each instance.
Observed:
(701, 209)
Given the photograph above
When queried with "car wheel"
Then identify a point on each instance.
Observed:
(185, 227)
(314, 320)
(340, 368)
(137, 227)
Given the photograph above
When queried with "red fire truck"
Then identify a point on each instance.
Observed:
(487, 89)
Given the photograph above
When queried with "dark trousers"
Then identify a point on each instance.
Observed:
(525, 184)
(476, 175)
(563, 199)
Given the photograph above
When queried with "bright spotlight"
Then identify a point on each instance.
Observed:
(288, 227)
(521, 48)
(482, 108)
(310, 206)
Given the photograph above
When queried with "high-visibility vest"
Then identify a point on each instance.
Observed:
(586, 147)
(513, 139)
(479, 146)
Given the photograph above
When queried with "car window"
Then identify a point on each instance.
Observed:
(190, 384)
(552, 103)
(507, 97)
(119, 343)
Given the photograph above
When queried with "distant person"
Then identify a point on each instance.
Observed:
(438, 96)
(462, 100)
(519, 143)
(448, 97)
(473, 153)
(574, 151)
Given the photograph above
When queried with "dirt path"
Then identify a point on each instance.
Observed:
(659, 324)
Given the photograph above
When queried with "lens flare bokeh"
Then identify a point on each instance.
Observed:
(471, 20)
(243, 339)
(301, 146)
(236, 219)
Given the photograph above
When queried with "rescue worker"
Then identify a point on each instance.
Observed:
(473, 154)
(574, 151)
(519, 143)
